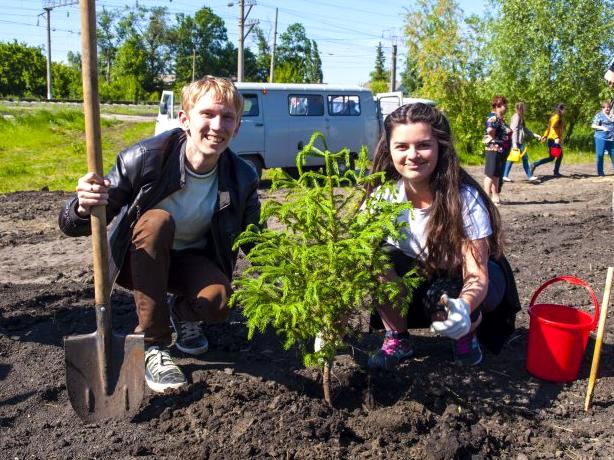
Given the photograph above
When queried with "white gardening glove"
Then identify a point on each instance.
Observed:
(458, 323)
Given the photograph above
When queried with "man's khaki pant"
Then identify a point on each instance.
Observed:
(152, 269)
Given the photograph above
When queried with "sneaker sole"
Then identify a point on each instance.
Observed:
(162, 387)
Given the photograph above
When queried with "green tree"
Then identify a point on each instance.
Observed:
(143, 58)
(74, 60)
(203, 38)
(22, 70)
(379, 72)
(297, 57)
(263, 56)
(410, 79)
(379, 76)
(107, 41)
(447, 66)
(66, 80)
(544, 52)
(128, 74)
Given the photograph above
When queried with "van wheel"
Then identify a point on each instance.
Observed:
(292, 171)
(256, 162)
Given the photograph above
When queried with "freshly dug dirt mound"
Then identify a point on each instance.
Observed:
(252, 399)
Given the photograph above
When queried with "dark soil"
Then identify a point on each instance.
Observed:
(254, 400)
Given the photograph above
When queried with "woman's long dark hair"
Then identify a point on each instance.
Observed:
(445, 228)
(520, 110)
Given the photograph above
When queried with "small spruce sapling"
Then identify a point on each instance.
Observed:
(326, 263)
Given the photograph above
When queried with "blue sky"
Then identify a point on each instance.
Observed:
(347, 31)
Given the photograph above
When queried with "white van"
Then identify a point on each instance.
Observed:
(389, 102)
(279, 119)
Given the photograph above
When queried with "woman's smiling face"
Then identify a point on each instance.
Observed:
(414, 151)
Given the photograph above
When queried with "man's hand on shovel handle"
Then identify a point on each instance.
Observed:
(92, 190)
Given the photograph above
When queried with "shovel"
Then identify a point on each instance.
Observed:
(104, 369)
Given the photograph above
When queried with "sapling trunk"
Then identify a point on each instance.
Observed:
(326, 383)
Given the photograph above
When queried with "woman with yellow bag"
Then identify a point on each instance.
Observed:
(554, 135)
(519, 133)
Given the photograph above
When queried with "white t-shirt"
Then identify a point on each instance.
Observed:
(192, 208)
(475, 217)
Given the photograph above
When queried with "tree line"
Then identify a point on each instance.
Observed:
(142, 51)
(537, 51)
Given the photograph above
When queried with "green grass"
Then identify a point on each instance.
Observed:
(46, 148)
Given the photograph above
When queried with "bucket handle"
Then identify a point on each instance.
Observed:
(571, 280)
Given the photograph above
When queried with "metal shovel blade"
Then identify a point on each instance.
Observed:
(94, 397)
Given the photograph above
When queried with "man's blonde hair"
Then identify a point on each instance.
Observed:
(223, 88)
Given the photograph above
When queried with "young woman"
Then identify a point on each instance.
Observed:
(454, 238)
(554, 136)
(519, 133)
(604, 135)
(496, 148)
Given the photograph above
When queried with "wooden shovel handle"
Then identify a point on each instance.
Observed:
(599, 340)
(91, 107)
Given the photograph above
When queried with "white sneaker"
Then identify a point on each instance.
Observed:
(533, 178)
(507, 179)
(161, 372)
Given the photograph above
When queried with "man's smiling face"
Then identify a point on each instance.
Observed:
(210, 125)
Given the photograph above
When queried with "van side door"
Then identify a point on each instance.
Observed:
(388, 102)
(297, 115)
(351, 122)
(166, 118)
(249, 142)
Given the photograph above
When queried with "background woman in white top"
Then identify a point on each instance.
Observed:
(519, 134)
(454, 239)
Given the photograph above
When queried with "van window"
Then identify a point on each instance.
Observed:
(305, 104)
(250, 105)
(344, 106)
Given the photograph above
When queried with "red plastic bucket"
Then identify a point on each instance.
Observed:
(558, 335)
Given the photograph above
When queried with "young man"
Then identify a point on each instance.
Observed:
(178, 201)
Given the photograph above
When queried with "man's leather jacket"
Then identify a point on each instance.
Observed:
(152, 169)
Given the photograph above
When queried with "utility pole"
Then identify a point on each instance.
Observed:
(48, 5)
(48, 17)
(242, 34)
(393, 70)
(272, 73)
(193, 63)
(390, 35)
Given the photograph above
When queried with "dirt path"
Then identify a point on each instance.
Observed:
(254, 400)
